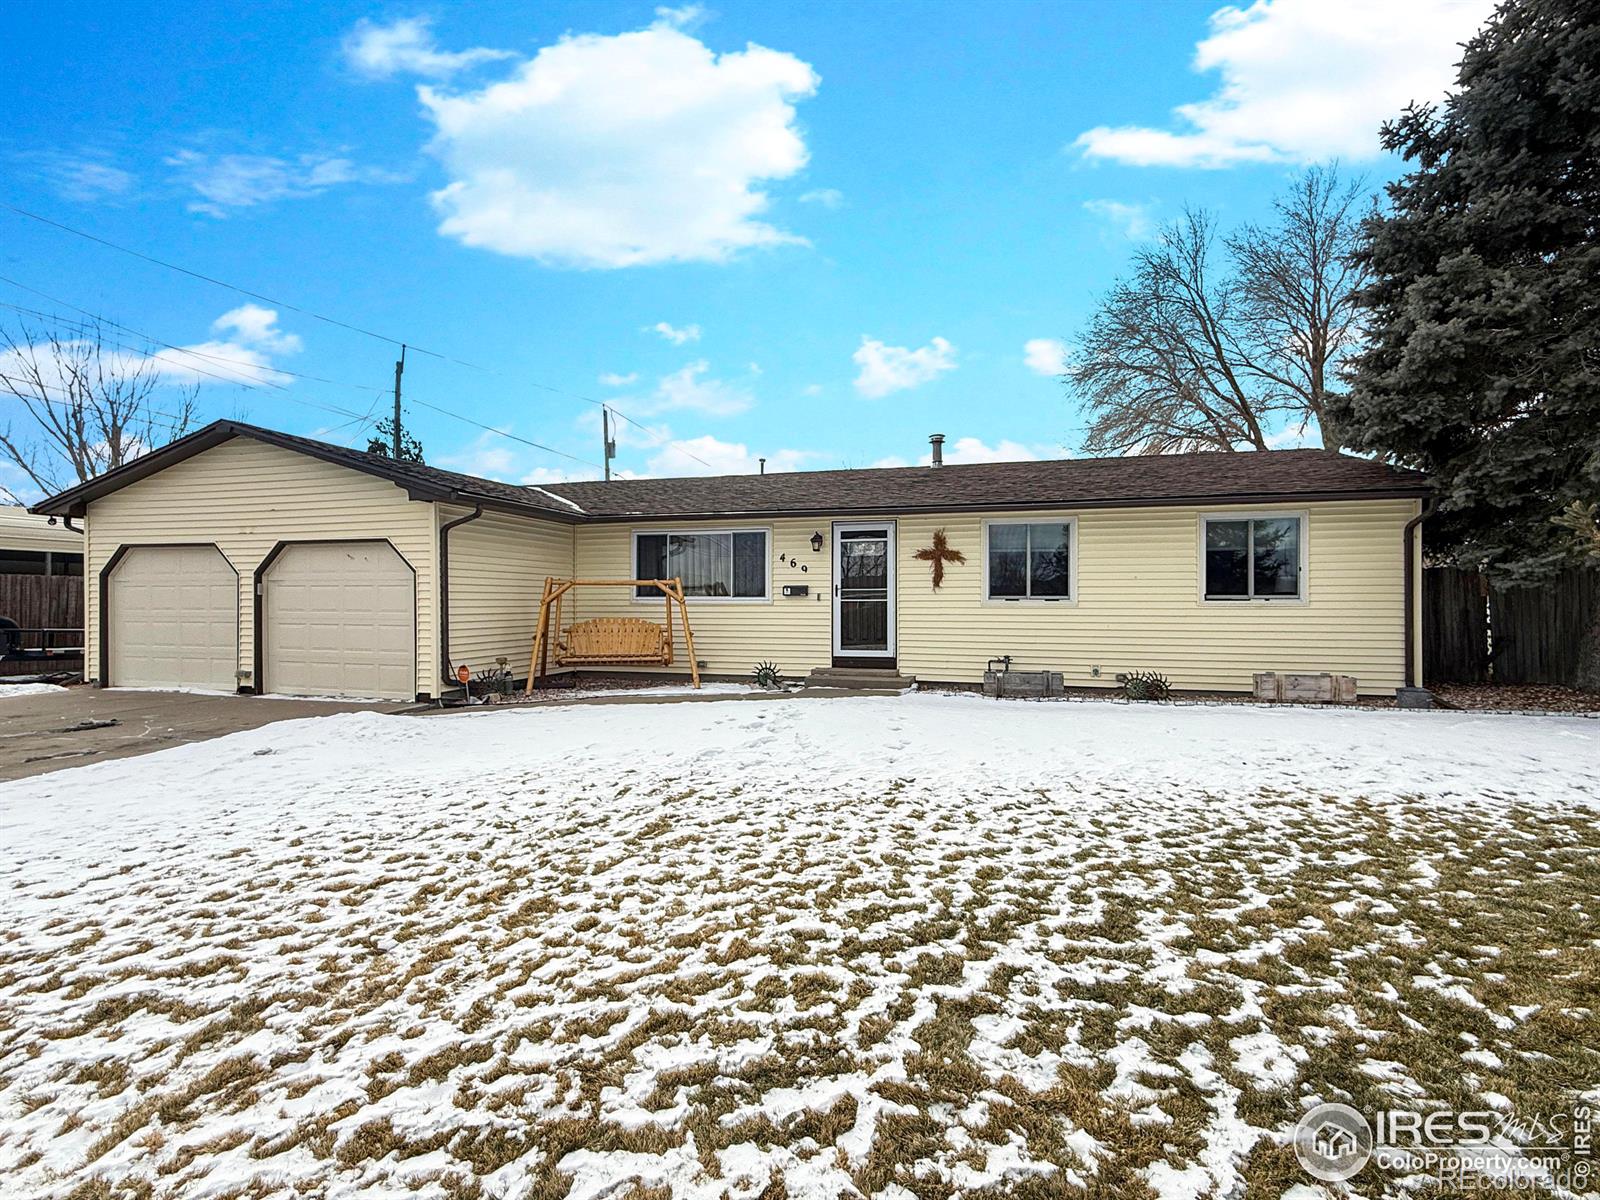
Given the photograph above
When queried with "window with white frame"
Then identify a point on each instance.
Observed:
(1028, 560)
(1254, 558)
(714, 564)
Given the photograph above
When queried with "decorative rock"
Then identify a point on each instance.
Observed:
(1413, 697)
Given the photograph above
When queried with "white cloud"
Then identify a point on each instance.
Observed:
(1131, 220)
(1303, 436)
(380, 51)
(823, 197)
(1045, 356)
(673, 334)
(488, 455)
(1303, 80)
(619, 151)
(886, 369)
(685, 16)
(690, 389)
(233, 181)
(975, 450)
(721, 458)
(83, 178)
(612, 379)
(241, 350)
(244, 343)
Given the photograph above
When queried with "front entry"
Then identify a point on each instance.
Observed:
(863, 593)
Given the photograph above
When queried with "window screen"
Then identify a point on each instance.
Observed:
(1257, 559)
(1030, 560)
(713, 564)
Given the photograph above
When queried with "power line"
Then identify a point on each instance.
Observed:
(245, 382)
(33, 216)
(617, 412)
(174, 423)
(252, 383)
(504, 434)
(233, 287)
(96, 317)
(239, 380)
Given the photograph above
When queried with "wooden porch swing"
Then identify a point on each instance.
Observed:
(607, 641)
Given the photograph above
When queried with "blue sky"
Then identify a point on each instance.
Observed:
(811, 232)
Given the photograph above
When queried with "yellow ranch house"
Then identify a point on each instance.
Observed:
(241, 558)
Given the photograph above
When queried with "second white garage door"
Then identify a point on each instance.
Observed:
(339, 619)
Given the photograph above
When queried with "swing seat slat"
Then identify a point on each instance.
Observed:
(619, 640)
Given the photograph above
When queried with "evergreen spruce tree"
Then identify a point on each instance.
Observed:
(1483, 312)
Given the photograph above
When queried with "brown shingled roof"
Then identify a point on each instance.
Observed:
(1263, 475)
(418, 481)
(1258, 476)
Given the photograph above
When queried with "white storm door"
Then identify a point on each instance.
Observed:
(863, 589)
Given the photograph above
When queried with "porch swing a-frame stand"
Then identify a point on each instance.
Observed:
(607, 641)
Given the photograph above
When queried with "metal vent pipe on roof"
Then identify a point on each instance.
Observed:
(936, 440)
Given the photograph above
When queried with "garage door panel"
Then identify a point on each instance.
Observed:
(173, 618)
(339, 619)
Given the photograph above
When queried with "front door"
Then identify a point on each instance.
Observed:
(863, 590)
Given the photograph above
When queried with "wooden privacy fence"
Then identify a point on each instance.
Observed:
(1474, 633)
(43, 602)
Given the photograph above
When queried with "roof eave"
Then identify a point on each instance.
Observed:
(860, 510)
(74, 501)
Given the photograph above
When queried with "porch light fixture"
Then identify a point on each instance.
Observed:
(816, 542)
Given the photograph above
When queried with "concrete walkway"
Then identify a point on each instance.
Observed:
(684, 697)
(78, 725)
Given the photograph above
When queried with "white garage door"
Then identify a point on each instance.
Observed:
(339, 619)
(172, 618)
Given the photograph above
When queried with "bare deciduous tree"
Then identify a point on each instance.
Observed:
(1182, 355)
(91, 405)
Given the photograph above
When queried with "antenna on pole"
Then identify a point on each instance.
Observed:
(608, 447)
(399, 369)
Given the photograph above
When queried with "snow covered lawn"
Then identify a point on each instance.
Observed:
(920, 945)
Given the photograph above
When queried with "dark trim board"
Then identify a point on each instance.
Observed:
(418, 482)
(889, 512)
(104, 622)
(684, 503)
(258, 602)
(865, 663)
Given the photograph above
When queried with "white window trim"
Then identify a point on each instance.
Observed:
(696, 531)
(1070, 600)
(1302, 515)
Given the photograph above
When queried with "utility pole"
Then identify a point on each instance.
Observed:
(399, 369)
(608, 446)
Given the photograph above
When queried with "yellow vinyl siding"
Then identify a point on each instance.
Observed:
(246, 497)
(1138, 605)
(498, 565)
(730, 637)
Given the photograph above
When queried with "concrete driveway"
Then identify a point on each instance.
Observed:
(45, 732)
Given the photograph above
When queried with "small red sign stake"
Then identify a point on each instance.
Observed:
(464, 674)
